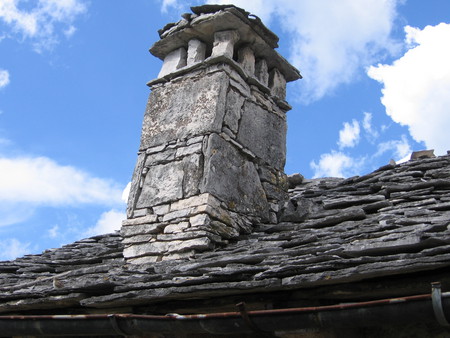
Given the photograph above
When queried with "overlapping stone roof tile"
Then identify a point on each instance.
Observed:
(391, 222)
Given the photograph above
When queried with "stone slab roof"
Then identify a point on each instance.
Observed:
(382, 234)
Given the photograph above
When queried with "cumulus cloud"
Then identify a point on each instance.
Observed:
(70, 31)
(12, 248)
(336, 164)
(108, 222)
(53, 232)
(340, 164)
(416, 86)
(126, 192)
(4, 78)
(39, 23)
(349, 135)
(400, 149)
(13, 213)
(330, 40)
(371, 132)
(42, 181)
(333, 40)
(166, 4)
(264, 9)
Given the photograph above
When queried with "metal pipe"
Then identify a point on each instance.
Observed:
(396, 311)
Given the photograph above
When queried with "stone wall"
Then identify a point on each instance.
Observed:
(212, 152)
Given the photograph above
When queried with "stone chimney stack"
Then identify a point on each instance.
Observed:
(213, 143)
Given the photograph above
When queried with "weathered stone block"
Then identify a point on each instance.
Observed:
(151, 248)
(241, 86)
(262, 100)
(261, 71)
(140, 212)
(161, 209)
(200, 220)
(171, 181)
(173, 61)
(184, 108)
(264, 134)
(177, 214)
(188, 235)
(277, 84)
(195, 201)
(127, 231)
(224, 43)
(198, 244)
(295, 180)
(232, 178)
(178, 255)
(164, 184)
(134, 189)
(273, 218)
(246, 58)
(140, 220)
(192, 149)
(196, 139)
(137, 239)
(215, 212)
(233, 110)
(161, 157)
(227, 131)
(144, 259)
(196, 51)
(291, 213)
(155, 149)
(193, 171)
(177, 227)
(223, 230)
(267, 175)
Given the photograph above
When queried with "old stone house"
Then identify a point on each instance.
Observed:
(219, 241)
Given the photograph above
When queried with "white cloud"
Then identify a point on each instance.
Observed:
(41, 181)
(340, 164)
(40, 22)
(109, 221)
(4, 78)
(371, 133)
(349, 135)
(126, 192)
(416, 86)
(12, 248)
(336, 164)
(21, 21)
(400, 148)
(53, 232)
(13, 213)
(61, 10)
(174, 4)
(264, 9)
(330, 40)
(70, 31)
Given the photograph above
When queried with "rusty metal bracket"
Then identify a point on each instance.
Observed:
(436, 298)
(244, 314)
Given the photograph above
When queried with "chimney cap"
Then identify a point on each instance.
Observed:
(215, 18)
(256, 23)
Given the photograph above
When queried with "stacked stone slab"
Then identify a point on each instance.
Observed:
(213, 144)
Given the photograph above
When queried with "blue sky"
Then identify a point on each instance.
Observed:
(72, 95)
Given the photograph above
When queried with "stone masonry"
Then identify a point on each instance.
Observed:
(213, 144)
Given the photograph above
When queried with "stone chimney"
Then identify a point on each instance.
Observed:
(213, 143)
